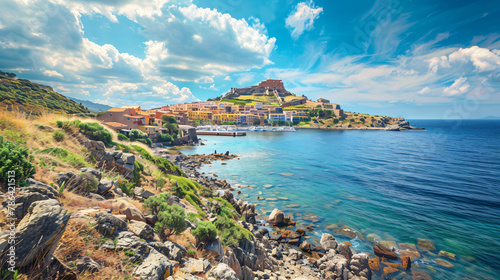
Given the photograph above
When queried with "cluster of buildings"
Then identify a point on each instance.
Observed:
(217, 112)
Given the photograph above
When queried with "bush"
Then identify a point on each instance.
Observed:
(89, 183)
(205, 232)
(15, 159)
(168, 119)
(164, 137)
(146, 141)
(232, 233)
(58, 135)
(171, 218)
(127, 188)
(122, 137)
(96, 132)
(160, 182)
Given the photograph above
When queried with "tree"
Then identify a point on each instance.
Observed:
(168, 119)
(164, 137)
(171, 218)
(205, 232)
(256, 122)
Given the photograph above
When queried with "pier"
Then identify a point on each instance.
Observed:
(222, 133)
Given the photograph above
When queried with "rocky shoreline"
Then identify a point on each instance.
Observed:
(401, 125)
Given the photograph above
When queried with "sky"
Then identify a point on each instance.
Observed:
(412, 59)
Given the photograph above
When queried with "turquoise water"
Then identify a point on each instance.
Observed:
(441, 184)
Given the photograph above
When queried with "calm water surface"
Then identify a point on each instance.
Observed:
(441, 184)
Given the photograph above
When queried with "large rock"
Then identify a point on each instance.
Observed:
(384, 252)
(141, 229)
(128, 209)
(328, 242)
(216, 247)
(109, 225)
(334, 266)
(105, 186)
(223, 272)
(196, 266)
(154, 267)
(277, 217)
(34, 191)
(39, 232)
(406, 262)
(360, 267)
(176, 251)
(345, 250)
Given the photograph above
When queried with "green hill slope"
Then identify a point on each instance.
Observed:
(34, 98)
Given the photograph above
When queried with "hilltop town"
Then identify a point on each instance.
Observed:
(267, 103)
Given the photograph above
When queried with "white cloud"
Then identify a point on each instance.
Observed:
(460, 86)
(227, 78)
(425, 90)
(302, 18)
(52, 73)
(53, 47)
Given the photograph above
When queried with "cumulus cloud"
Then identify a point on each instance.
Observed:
(54, 49)
(460, 86)
(302, 18)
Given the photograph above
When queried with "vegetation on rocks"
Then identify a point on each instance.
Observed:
(205, 232)
(16, 163)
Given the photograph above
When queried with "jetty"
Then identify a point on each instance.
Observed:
(222, 133)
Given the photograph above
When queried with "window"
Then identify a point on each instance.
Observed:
(128, 118)
(110, 114)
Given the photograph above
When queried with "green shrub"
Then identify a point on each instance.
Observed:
(96, 132)
(100, 114)
(165, 137)
(122, 137)
(192, 217)
(232, 233)
(127, 188)
(89, 184)
(58, 135)
(15, 159)
(160, 182)
(145, 141)
(205, 232)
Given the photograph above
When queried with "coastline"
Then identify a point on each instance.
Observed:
(286, 237)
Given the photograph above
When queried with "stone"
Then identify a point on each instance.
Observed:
(384, 252)
(307, 247)
(420, 275)
(444, 263)
(360, 267)
(333, 266)
(196, 266)
(34, 191)
(223, 272)
(374, 238)
(128, 158)
(276, 252)
(126, 208)
(447, 255)
(328, 242)
(374, 263)
(151, 219)
(426, 245)
(95, 196)
(105, 186)
(109, 225)
(406, 262)
(141, 229)
(389, 270)
(345, 250)
(388, 244)
(87, 264)
(216, 247)
(349, 232)
(175, 251)
(40, 231)
(154, 267)
(94, 172)
(277, 217)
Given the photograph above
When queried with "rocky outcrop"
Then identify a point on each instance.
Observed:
(384, 252)
(328, 242)
(196, 266)
(34, 191)
(175, 251)
(87, 264)
(360, 267)
(223, 272)
(116, 160)
(123, 206)
(154, 267)
(109, 225)
(39, 232)
(141, 229)
(334, 266)
(277, 218)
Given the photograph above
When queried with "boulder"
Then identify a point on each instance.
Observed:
(276, 252)
(307, 247)
(154, 267)
(109, 225)
(105, 186)
(360, 267)
(223, 272)
(345, 250)
(277, 217)
(406, 262)
(39, 232)
(141, 229)
(160, 247)
(216, 247)
(175, 251)
(328, 242)
(151, 219)
(34, 191)
(384, 252)
(334, 266)
(87, 264)
(426, 245)
(196, 266)
(126, 208)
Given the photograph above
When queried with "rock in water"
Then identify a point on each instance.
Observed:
(277, 217)
(426, 244)
(406, 262)
(360, 266)
(328, 242)
(384, 252)
(39, 232)
(444, 263)
(447, 255)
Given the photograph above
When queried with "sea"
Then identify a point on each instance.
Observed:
(440, 184)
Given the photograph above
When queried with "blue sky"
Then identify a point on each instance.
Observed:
(412, 59)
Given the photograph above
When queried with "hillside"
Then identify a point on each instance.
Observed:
(92, 106)
(34, 98)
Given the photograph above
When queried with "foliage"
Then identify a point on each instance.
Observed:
(61, 188)
(205, 232)
(145, 141)
(163, 164)
(89, 182)
(224, 202)
(256, 122)
(15, 158)
(173, 129)
(171, 218)
(122, 137)
(160, 182)
(232, 233)
(100, 114)
(127, 188)
(96, 132)
(75, 160)
(168, 119)
(164, 137)
(35, 98)
(58, 135)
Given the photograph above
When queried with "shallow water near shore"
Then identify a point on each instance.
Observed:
(440, 184)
